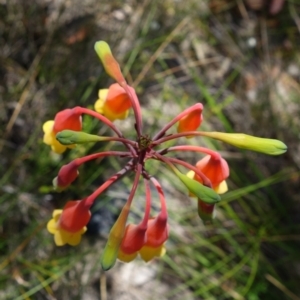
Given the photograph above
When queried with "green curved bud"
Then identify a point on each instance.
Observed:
(111, 66)
(102, 49)
(109, 255)
(201, 191)
(244, 141)
(70, 137)
(116, 234)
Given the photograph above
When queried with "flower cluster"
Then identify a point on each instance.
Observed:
(205, 181)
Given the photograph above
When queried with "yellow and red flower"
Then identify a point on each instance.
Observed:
(68, 224)
(66, 119)
(113, 103)
(216, 169)
(147, 242)
(133, 240)
(157, 234)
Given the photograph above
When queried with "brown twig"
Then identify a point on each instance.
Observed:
(281, 287)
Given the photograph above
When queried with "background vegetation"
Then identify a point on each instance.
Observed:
(239, 58)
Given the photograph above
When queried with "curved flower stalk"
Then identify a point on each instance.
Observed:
(205, 181)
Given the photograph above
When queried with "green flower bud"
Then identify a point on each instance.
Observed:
(206, 194)
(244, 141)
(102, 49)
(116, 234)
(111, 66)
(109, 255)
(69, 137)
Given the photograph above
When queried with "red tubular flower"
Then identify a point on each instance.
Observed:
(157, 234)
(147, 241)
(74, 216)
(133, 240)
(66, 119)
(158, 231)
(135, 235)
(66, 175)
(68, 224)
(191, 121)
(117, 99)
(215, 168)
(114, 103)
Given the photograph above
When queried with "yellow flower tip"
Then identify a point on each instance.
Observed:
(104, 110)
(126, 257)
(221, 188)
(148, 253)
(163, 251)
(63, 237)
(98, 106)
(113, 103)
(56, 213)
(58, 148)
(48, 126)
(50, 138)
(52, 226)
(102, 94)
(190, 174)
(121, 116)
